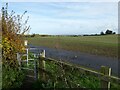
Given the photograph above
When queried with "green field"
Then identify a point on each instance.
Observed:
(106, 45)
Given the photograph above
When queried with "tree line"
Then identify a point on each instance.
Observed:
(107, 32)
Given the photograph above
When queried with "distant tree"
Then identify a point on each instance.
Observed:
(102, 33)
(44, 35)
(114, 33)
(33, 35)
(75, 35)
(95, 34)
(108, 32)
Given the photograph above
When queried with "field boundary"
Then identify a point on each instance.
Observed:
(40, 70)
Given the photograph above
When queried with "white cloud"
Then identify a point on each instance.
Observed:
(70, 18)
(69, 26)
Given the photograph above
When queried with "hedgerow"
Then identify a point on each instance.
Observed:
(13, 29)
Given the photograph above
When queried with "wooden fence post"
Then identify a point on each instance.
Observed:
(105, 71)
(42, 65)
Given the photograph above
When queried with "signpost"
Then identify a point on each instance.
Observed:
(26, 43)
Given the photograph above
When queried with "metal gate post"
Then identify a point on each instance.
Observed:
(27, 56)
(19, 60)
(35, 67)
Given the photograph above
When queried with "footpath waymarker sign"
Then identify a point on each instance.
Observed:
(25, 42)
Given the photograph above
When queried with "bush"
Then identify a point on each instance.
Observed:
(13, 31)
(12, 36)
(11, 77)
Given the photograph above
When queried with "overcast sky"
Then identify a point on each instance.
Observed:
(69, 18)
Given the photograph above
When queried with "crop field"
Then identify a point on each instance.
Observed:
(106, 45)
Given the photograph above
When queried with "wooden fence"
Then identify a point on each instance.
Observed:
(41, 72)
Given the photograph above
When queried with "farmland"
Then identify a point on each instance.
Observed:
(106, 45)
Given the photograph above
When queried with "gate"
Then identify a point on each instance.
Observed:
(28, 62)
